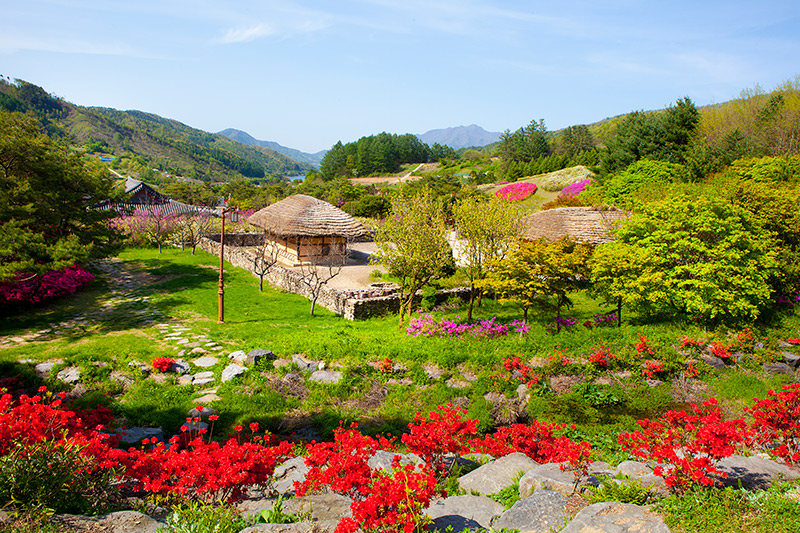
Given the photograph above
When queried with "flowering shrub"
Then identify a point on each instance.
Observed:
(643, 346)
(443, 432)
(54, 284)
(776, 422)
(567, 324)
(425, 325)
(525, 373)
(385, 366)
(652, 367)
(601, 356)
(793, 341)
(516, 191)
(162, 364)
(720, 350)
(691, 344)
(574, 189)
(686, 446)
(602, 320)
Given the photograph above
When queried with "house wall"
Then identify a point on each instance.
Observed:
(376, 300)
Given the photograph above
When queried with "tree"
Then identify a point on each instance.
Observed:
(542, 274)
(485, 230)
(190, 228)
(265, 257)
(706, 259)
(412, 245)
(46, 196)
(321, 267)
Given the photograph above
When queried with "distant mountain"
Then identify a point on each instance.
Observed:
(144, 141)
(460, 137)
(297, 155)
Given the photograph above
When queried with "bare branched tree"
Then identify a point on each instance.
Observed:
(324, 263)
(265, 257)
(192, 227)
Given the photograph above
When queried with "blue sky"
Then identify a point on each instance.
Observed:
(309, 73)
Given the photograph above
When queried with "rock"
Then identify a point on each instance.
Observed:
(179, 367)
(121, 377)
(383, 460)
(791, 359)
(328, 526)
(199, 350)
(119, 522)
(550, 476)
(254, 356)
(633, 469)
(326, 376)
(303, 363)
(615, 517)
(462, 512)
(286, 474)
(497, 475)
(43, 369)
(4, 517)
(206, 399)
(202, 413)
(713, 361)
(69, 375)
(539, 513)
(204, 375)
(238, 356)
(320, 507)
(232, 371)
(136, 434)
(185, 379)
(777, 368)
(754, 472)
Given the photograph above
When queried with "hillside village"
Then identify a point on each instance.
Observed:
(593, 329)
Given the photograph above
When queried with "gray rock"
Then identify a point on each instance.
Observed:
(254, 356)
(185, 379)
(538, 513)
(777, 368)
(463, 512)
(238, 355)
(633, 469)
(122, 378)
(327, 526)
(202, 413)
(713, 361)
(497, 475)
(204, 375)
(199, 350)
(207, 398)
(43, 369)
(383, 460)
(754, 472)
(550, 476)
(180, 367)
(326, 376)
(615, 517)
(286, 474)
(793, 360)
(303, 363)
(199, 382)
(320, 507)
(232, 371)
(119, 522)
(136, 434)
(69, 375)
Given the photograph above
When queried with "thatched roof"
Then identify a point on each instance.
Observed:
(305, 216)
(584, 224)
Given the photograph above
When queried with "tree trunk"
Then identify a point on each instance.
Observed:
(619, 312)
(261, 286)
(313, 303)
(471, 302)
(525, 314)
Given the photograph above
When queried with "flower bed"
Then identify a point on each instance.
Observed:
(574, 189)
(516, 191)
(424, 325)
(53, 284)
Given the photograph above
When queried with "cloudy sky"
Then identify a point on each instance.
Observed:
(309, 73)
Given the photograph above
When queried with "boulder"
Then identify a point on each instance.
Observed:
(119, 522)
(136, 434)
(754, 472)
(542, 512)
(43, 369)
(464, 512)
(713, 361)
(69, 375)
(615, 517)
(633, 469)
(179, 367)
(383, 460)
(326, 376)
(497, 475)
(254, 356)
(286, 474)
(232, 371)
(205, 362)
(320, 507)
(793, 360)
(777, 368)
(304, 363)
(327, 526)
(550, 476)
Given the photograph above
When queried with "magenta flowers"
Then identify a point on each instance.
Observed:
(574, 189)
(516, 191)
(51, 285)
(426, 326)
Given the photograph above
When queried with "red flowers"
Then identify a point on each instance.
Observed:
(162, 364)
(516, 191)
(601, 356)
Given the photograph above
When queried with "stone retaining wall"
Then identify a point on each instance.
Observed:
(355, 304)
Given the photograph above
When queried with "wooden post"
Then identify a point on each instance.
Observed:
(221, 316)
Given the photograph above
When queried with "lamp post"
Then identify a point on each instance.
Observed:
(221, 292)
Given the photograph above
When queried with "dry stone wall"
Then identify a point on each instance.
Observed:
(355, 304)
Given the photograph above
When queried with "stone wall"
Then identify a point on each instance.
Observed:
(355, 304)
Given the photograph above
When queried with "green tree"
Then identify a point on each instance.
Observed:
(542, 274)
(485, 230)
(46, 196)
(412, 245)
(706, 260)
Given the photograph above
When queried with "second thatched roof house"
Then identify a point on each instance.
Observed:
(593, 225)
(307, 230)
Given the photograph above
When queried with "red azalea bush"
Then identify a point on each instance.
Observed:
(443, 432)
(525, 373)
(516, 191)
(720, 350)
(602, 356)
(686, 446)
(776, 422)
(162, 364)
(54, 284)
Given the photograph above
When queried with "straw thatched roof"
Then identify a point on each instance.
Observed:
(305, 216)
(584, 224)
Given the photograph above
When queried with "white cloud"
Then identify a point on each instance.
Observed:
(241, 35)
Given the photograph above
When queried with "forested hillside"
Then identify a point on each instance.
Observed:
(142, 141)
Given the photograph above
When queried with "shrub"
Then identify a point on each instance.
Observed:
(516, 191)
(53, 284)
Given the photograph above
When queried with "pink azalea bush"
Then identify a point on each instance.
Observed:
(424, 325)
(574, 189)
(54, 284)
(516, 191)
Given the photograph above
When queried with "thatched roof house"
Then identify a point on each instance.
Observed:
(306, 229)
(593, 225)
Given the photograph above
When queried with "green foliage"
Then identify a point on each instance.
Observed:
(619, 490)
(508, 496)
(200, 517)
(54, 477)
(776, 510)
(645, 173)
(46, 194)
(276, 514)
(376, 154)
